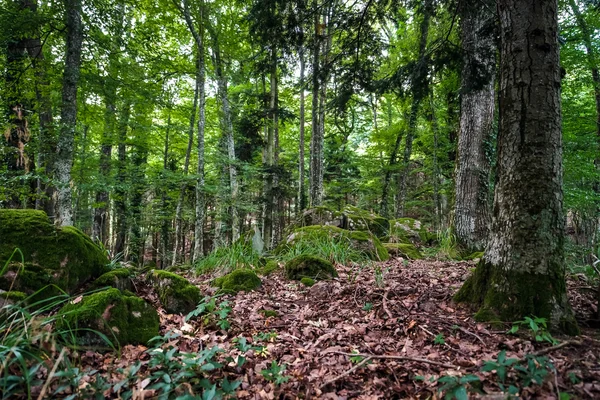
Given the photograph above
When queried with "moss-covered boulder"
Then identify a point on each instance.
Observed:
(239, 280)
(11, 297)
(267, 267)
(176, 294)
(403, 250)
(64, 257)
(306, 266)
(410, 230)
(363, 242)
(119, 278)
(306, 281)
(124, 318)
(350, 218)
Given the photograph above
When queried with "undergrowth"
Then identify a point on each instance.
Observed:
(227, 259)
(335, 249)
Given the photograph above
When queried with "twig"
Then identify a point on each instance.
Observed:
(401, 358)
(385, 307)
(51, 374)
(558, 346)
(348, 372)
(472, 334)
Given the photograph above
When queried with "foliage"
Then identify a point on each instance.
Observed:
(538, 327)
(275, 373)
(226, 259)
(456, 387)
(211, 312)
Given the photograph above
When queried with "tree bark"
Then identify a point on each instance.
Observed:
(120, 191)
(64, 150)
(301, 189)
(316, 139)
(471, 210)
(522, 272)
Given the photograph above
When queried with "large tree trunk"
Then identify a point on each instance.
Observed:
(471, 210)
(522, 272)
(68, 120)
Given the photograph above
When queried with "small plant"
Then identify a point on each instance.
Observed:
(439, 339)
(456, 387)
(368, 307)
(275, 373)
(379, 278)
(535, 369)
(537, 326)
(212, 312)
(265, 336)
(448, 248)
(502, 366)
(227, 259)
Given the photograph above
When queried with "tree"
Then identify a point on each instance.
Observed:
(68, 120)
(522, 272)
(471, 208)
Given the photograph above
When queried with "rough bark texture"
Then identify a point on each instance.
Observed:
(316, 138)
(64, 159)
(121, 227)
(301, 190)
(522, 272)
(471, 210)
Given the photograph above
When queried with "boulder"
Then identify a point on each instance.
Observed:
(307, 266)
(176, 294)
(403, 249)
(364, 242)
(242, 279)
(409, 230)
(119, 278)
(350, 218)
(64, 257)
(123, 318)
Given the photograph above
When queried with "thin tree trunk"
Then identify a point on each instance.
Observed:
(64, 159)
(178, 249)
(301, 190)
(120, 191)
(164, 228)
(139, 160)
(523, 271)
(316, 139)
(471, 210)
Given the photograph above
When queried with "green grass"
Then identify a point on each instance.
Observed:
(336, 250)
(227, 259)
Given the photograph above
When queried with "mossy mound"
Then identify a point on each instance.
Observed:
(269, 267)
(312, 267)
(119, 278)
(64, 257)
(403, 249)
(11, 297)
(350, 218)
(176, 294)
(306, 281)
(363, 242)
(239, 280)
(128, 319)
(410, 230)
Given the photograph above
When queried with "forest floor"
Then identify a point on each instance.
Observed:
(400, 317)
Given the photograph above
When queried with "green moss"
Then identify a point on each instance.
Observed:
(11, 297)
(310, 267)
(176, 294)
(306, 281)
(410, 230)
(119, 278)
(239, 280)
(509, 296)
(128, 319)
(64, 257)
(269, 313)
(404, 249)
(474, 256)
(361, 241)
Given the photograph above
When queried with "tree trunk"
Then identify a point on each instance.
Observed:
(178, 249)
(523, 272)
(120, 192)
(316, 139)
(471, 209)
(68, 120)
(419, 88)
(301, 190)
(200, 82)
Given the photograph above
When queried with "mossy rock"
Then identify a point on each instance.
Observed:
(269, 267)
(350, 218)
(403, 249)
(11, 297)
(119, 278)
(176, 294)
(239, 280)
(306, 266)
(64, 257)
(410, 230)
(363, 242)
(128, 319)
(306, 281)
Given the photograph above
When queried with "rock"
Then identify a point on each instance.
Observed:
(362, 241)
(124, 318)
(306, 266)
(64, 257)
(176, 294)
(11, 298)
(119, 278)
(238, 280)
(409, 230)
(349, 218)
(403, 249)
(306, 281)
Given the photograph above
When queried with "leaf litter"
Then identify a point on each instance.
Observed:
(379, 331)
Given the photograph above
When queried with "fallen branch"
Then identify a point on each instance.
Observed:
(385, 307)
(400, 358)
(348, 372)
(557, 347)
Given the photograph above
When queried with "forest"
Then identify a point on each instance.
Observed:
(261, 199)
